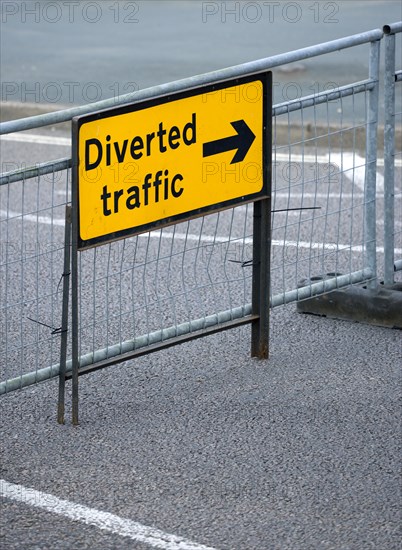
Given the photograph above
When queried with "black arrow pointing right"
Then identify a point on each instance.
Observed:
(241, 141)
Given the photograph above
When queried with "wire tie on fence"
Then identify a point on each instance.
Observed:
(61, 278)
(246, 263)
(249, 263)
(299, 208)
(54, 330)
(58, 331)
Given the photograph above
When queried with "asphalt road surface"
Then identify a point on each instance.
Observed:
(198, 446)
(201, 446)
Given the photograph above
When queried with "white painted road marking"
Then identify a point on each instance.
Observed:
(103, 520)
(333, 247)
(354, 167)
(8, 215)
(38, 139)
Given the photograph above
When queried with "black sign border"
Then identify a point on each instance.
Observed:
(265, 77)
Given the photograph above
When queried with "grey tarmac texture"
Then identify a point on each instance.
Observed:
(201, 441)
(300, 452)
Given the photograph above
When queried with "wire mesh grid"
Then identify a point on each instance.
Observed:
(139, 285)
(165, 278)
(318, 196)
(31, 266)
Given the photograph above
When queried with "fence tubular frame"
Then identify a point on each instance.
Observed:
(234, 317)
(41, 169)
(324, 96)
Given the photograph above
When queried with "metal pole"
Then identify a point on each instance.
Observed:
(74, 282)
(64, 322)
(39, 169)
(371, 165)
(389, 157)
(261, 279)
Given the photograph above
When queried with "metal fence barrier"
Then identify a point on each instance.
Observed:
(143, 290)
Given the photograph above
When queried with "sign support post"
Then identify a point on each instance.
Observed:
(64, 320)
(74, 290)
(261, 279)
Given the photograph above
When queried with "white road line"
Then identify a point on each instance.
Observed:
(354, 167)
(279, 157)
(333, 247)
(102, 520)
(396, 223)
(38, 139)
(46, 220)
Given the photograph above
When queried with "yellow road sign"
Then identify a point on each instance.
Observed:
(152, 163)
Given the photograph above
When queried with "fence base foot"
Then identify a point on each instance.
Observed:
(380, 307)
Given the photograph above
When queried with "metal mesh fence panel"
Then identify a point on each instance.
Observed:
(198, 273)
(140, 285)
(137, 286)
(31, 267)
(318, 196)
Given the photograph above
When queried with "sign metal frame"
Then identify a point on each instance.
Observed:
(78, 122)
(259, 317)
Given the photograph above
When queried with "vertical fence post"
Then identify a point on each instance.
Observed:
(370, 225)
(64, 321)
(389, 155)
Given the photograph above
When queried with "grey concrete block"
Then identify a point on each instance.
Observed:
(381, 307)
